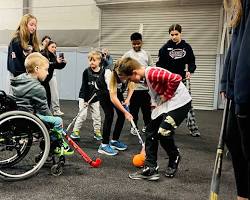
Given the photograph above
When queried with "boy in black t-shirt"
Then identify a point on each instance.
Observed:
(87, 90)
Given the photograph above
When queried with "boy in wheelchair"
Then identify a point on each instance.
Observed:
(30, 96)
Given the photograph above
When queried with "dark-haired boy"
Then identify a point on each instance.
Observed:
(141, 91)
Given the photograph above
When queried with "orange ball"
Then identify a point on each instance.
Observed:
(138, 160)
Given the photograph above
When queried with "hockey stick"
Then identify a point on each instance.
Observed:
(137, 132)
(187, 83)
(94, 163)
(139, 136)
(215, 183)
(80, 111)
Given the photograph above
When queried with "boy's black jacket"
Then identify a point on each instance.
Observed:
(89, 78)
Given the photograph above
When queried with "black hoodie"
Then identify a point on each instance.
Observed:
(235, 80)
(16, 57)
(174, 57)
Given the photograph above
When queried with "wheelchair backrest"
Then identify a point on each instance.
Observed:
(7, 102)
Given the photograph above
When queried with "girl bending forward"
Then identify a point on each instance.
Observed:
(170, 102)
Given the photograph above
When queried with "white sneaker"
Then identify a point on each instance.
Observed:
(143, 129)
(58, 113)
(133, 131)
(195, 133)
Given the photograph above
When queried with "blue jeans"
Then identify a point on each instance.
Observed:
(54, 120)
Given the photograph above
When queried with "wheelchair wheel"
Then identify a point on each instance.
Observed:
(18, 151)
(18, 146)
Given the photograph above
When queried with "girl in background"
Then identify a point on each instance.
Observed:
(45, 40)
(177, 56)
(55, 103)
(235, 87)
(54, 63)
(23, 43)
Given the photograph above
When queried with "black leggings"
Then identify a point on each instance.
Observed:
(108, 109)
(48, 92)
(167, 142)
(141, 99)
(238, 143)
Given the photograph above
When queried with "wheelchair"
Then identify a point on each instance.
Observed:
(25, 143)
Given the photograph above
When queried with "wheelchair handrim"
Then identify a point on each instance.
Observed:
(24, 115)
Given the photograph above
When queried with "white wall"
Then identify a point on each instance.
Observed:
(69, 79)
(52, 14)
(65, 14)
(4, 74)
(69, 22)
(10, 14)
(59, 17)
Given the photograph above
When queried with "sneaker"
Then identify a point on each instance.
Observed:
(173, 166)
(195, 133)
(75, 135)
(143, 130)
(58, 113)
(67, 150)
(107, 149)
(148, 173)
(57, 150)
(133, 131)
(98, 135)
(1, 139)
(116, 144)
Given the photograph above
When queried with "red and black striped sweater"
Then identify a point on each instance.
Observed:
(163, 82)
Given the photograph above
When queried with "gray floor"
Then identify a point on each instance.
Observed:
(111, 181)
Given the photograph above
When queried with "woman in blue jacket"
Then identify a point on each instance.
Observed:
(235, 87)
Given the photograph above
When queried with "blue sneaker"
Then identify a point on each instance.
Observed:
(116, 144)
(106, 149)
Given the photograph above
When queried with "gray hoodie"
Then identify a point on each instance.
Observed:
(30, 94)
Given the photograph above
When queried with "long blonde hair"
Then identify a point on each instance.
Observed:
(22, 32)
(234, 10)
(123, 67)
